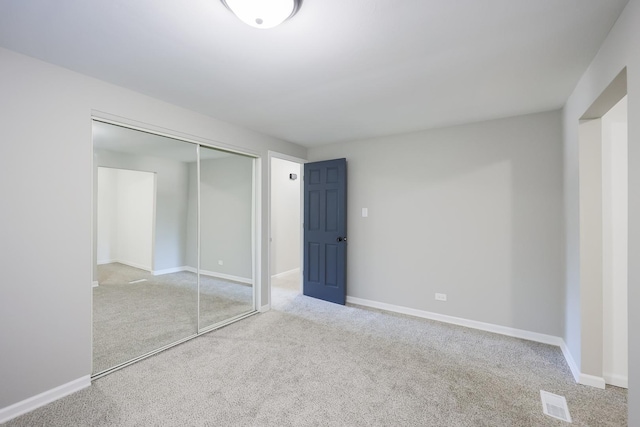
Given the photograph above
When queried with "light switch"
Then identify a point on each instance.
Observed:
(365, 212)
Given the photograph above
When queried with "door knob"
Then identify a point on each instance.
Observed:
(341, 239)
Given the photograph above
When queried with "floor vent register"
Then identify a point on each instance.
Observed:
(555, 406)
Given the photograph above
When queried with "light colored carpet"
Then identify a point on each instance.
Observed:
(311, 363)
(288, 281)
(131, 319)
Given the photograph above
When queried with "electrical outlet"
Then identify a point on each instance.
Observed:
(220, 262)
(441, 297)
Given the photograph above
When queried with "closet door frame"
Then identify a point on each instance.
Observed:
(256, 219)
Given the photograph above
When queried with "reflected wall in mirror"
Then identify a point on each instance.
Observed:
(126, 214)
(226, 235)
(145, 296)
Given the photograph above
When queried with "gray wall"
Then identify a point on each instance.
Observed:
(46, 226)
(619, 50)
(226, 212)
(473, 211)
(171, 202)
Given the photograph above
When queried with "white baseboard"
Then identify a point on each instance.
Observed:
(95, 284)
(169, 270)
(573, 366)
(135, 265)
(130, 264)
(489, 327)
(616, 380)
(220, 275)
(579, 377)
(286, 273)
(28, 405)
(226, 277)
(265, 308)
(591, 380)
(192, 270)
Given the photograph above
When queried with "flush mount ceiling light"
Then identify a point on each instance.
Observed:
(263, 13)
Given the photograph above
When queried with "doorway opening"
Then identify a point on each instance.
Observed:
(603, 183)
(285, 227)
(126, 202)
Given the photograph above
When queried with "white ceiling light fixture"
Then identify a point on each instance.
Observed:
(263, 14)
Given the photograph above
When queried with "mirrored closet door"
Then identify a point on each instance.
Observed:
(226, 232)
(173, 248)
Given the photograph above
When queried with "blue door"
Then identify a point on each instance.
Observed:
(325, 230)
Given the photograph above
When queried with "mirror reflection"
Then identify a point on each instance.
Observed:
(145, 298)
(173, 248)
(226, 246)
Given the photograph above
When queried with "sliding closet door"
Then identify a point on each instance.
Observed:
(173, 242)
(226, 236)
(145, 279)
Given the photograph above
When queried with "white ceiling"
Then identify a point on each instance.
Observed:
(338, 70)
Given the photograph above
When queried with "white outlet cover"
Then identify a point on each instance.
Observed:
(220, 262)
(365, 212)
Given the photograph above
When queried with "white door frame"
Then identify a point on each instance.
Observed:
(590, 369)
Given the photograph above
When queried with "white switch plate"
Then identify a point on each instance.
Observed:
(220, 262)
(365, 212)
(441, 297)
